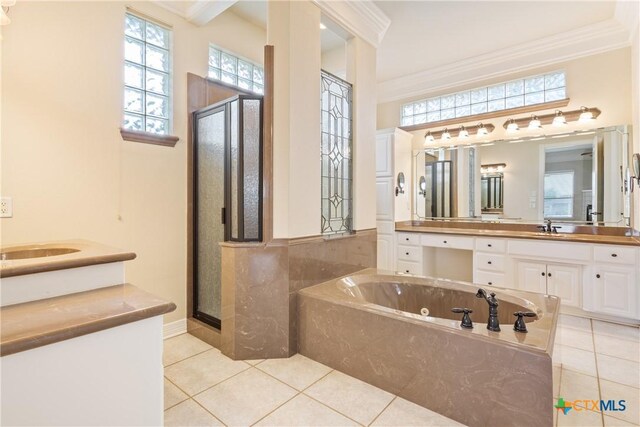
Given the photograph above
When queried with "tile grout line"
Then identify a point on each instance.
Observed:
(277, 407)
(189, 357)
(383, 409)
(595, 356)
(208, 411)
(220, 382)
(176, 386)
(333, 409)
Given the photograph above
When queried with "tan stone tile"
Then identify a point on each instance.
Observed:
(401, 412)
(189, 413)
(580, 419)
(182, 346)
(172, 394)
(615, 422)
(574, 322)
(254, 362)
(620, 331)
(631, 396)
(556, 373)
(617, 347)
(575, 385)
(200, 372)
(349, 396)
(574, 338)
(245, 398)
(619, 370)
(575, 359)
(297, 371)
(304, 411)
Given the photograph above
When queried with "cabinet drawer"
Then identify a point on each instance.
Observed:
(615, 254)
(486, 278)
(409, 253)
(447, 241)
(491, 262)
(408, 267)
(491, 245)
(557, 251)
(408, 239)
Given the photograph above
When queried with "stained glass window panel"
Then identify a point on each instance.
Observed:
(336, 154)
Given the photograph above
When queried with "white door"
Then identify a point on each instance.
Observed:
(615, 290)
(385, 252)
(532, 277)
(564, 281)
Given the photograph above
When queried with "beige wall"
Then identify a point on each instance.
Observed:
(63, 160)
(596, 81)
(635, 97)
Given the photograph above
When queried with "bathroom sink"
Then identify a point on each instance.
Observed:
(35, 253)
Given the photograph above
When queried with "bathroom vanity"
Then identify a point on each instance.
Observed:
(595, 275)
(79, 346)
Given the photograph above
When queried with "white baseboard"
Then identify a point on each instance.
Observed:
(172, 329)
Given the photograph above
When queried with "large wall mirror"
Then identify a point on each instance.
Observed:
(579, 177)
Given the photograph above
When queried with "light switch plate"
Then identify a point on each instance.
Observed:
(6, 207)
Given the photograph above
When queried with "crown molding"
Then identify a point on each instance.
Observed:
(201, 12)
(628, 14)
(360, 18)
(585, 41)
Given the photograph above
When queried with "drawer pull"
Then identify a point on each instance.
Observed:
(543, 274)
(406, 271)
(406, 253)
(489, 262)
(597, 276)
(548, 274)
(406, 238)
(614, 255)
(489, 244)
(490, 283)
(444, 241)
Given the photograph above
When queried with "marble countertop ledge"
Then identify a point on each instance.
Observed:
(89, 253)
(517, 234)
(39, 323)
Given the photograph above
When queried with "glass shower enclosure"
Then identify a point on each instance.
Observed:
(227, 171)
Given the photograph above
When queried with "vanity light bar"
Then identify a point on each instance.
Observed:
(493, 167)
(462, 132)
(557, 118)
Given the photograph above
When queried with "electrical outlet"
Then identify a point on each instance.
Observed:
(6, 207)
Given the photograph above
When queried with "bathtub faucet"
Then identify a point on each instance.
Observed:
(492, 324)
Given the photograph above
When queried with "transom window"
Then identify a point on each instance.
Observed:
(235, 71)
(558, 194)
(503, 96)
(147, 76)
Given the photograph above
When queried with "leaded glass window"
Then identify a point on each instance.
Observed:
(513, 94)
(147, 76)
(336, 155)
(235, 71)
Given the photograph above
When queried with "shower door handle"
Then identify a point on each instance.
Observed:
(222, 215)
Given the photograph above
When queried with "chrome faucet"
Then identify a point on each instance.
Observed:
(492, 324)
(548, 228)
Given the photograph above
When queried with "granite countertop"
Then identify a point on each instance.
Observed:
(518, 234)
(43, 322)
(88, 253)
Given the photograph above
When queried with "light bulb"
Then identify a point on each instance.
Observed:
(463, 134)
(322, 26)
(559, 119)
(428, 138)
(482, 131)
(445, 135)
(512, 126)
(535, 123)
(586, 115)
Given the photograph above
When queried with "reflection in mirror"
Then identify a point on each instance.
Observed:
(577, 177)
(636, 166)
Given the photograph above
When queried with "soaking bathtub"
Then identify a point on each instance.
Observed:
(369, 325)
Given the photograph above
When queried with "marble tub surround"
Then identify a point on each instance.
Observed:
(568, 233)
(88, 253)
(38, 323)
(260, 284)
(435, 363)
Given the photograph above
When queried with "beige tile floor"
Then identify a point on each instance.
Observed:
(592, 360)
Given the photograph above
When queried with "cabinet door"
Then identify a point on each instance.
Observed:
(615, 290)
(563, 281)
(385, 252)
(384, 153)
(384, 202)
(532, 277)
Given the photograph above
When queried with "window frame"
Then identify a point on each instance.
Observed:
(571, 197)
(145, 136)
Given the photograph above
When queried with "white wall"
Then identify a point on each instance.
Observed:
(63, 160)
(635, 108)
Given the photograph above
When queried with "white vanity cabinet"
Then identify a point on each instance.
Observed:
(561, 280)
(588, 278)
(615, 281)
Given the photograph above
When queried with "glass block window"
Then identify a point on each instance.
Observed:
(336, 155)
(503, 96)
(558, 194)
(235, 71)
(147, 76)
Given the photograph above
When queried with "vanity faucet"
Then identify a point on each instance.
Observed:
(548, 228)
(492, 324)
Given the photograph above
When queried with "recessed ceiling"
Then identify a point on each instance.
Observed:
(427, 34)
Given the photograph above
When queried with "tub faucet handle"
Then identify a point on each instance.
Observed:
(466, 320)
(520, 325)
